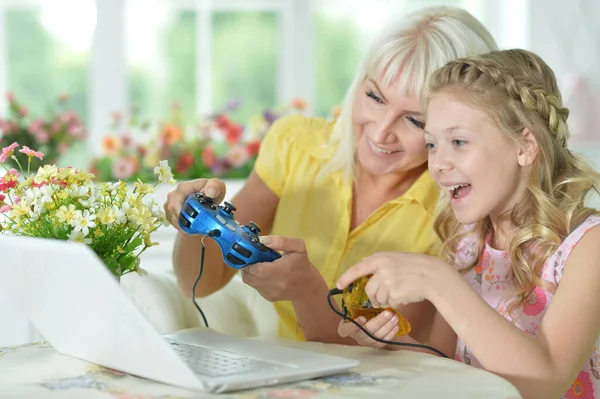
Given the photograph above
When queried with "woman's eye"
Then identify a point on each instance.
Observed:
(458, 142)
(375, 97)
(416, 122)
(429, 146)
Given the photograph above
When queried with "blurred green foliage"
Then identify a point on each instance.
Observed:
(245, 48)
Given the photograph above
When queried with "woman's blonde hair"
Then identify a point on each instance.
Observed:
(518, 91)
(409, 49)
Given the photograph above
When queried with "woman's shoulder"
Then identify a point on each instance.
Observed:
(307, 133)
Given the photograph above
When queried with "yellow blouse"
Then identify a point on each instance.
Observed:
(319, 210)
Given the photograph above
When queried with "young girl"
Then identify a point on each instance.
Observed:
(519, 280)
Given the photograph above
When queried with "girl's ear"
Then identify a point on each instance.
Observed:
(528, 150)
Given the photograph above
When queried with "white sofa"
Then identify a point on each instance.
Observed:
(237, 309)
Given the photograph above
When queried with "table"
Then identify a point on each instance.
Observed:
(37, 371)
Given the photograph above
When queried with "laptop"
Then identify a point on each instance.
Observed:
(78, 306)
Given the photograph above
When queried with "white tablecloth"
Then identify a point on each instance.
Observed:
(37, 371)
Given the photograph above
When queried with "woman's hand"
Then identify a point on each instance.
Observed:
(292, 277)
(213, 188)
(398, 278)
(383, 326)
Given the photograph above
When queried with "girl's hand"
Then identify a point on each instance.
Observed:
(383, 326)
(398, 278)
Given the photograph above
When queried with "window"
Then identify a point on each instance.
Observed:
(161, 59)
(244, 61)
(47, 53)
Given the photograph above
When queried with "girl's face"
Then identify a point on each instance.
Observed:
(473, 161)
(388, 128)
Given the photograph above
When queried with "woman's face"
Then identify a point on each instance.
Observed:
(388, 128)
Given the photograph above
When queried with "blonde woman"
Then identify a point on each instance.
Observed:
(519, 281)
(333, 193)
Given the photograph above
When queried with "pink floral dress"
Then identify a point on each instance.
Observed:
(492, 279)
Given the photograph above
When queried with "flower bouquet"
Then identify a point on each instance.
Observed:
(64, 203)
(52, 135)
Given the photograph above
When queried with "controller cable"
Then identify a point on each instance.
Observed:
(212, 233)
(344, 315)
(335, 291)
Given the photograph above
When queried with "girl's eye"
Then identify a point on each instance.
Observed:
(375, 97)
(459, 142)
(416, 122)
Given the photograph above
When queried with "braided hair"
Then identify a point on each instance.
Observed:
(517, 90)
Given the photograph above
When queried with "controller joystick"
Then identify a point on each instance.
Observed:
(253, 227)
(239, 245)
(228, 207)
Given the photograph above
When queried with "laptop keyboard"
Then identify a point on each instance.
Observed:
(217, 363)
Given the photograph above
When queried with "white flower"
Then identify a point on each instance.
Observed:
(76, 191)
(33, 197)
(121, 217)
(45, 173)
(66, 214)
(84, 221)
(91, 201)
(79, 236)
(163, 171)
(143, 188)
(107, 216)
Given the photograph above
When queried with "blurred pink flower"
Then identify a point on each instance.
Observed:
(238, 155)
(31, 153)
(124, 168)
(8, 152)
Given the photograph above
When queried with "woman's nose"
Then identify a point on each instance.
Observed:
(385, 133)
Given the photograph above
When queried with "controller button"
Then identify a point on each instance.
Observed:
(190, 211)
(221, 219)
(241, 250)
(234, 259)
(231, 226)
(184, 222)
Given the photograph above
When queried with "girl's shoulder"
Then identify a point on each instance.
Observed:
(558, 259)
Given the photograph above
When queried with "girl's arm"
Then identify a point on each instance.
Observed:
(542, 367)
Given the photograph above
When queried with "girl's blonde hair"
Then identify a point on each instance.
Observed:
(518, 91)
(409, 49)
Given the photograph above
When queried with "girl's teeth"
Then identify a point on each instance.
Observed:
(452, 188)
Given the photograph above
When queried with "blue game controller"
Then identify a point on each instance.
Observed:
(239, 244)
